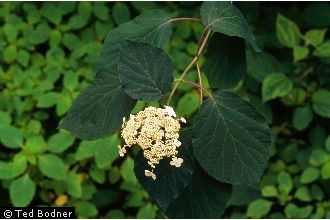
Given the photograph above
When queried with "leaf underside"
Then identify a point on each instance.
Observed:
(225, 64)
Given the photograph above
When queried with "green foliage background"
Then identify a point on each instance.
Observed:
(47, 53)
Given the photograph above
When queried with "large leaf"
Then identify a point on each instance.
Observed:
(225, 18)
(153, 27)
(170, 181)
(321, 102)
(145, 71)
(99, 109)
(225, 63)
(22, 191)
(203, 198)
(231, 140)
(276, 85)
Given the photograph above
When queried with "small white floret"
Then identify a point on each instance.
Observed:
(170, 111)
(124, 120)
(122, 151)
(177, 143)
(176, 162)
(148, 173)
(183, 120)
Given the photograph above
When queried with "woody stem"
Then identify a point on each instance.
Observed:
(199, 51)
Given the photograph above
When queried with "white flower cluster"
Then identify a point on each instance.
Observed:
(156, 131)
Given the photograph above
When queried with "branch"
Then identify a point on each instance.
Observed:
(199, 51)
(200, 83)
(184, 19)
(196, 85)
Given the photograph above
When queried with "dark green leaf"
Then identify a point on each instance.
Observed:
(145, 71)
(151, 27)
(231, 140)
(263, 108)
(170, 180)
(225, 62)
(225, 18)
(99, 109)
(204, 197)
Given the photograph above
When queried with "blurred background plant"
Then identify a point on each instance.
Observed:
(47, 53)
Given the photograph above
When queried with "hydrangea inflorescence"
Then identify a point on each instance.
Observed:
(156, 131)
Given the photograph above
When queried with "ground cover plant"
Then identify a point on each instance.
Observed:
(248, 83)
